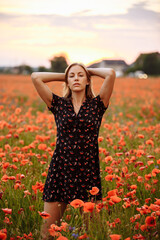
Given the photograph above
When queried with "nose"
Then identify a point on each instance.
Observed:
(76, 76)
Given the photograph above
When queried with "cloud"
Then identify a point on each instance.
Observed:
(137, 16)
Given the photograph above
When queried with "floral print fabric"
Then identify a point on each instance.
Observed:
(74, 168)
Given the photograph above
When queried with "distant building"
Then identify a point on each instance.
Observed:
(118, 65)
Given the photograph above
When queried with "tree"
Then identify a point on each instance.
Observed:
(43, 69)
(58, 64)
(148, 63)
(151, 64)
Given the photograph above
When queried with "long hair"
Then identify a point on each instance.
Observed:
(67, 93)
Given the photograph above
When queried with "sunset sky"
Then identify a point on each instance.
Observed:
(34, 31)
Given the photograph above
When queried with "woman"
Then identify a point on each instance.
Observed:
(74, 168)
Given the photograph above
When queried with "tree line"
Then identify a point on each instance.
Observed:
(149, 63)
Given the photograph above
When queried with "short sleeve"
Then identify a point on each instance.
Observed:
(55, 103)
(100, 105)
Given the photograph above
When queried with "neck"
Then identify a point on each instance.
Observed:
(78, 97)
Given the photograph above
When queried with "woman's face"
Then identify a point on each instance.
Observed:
(77, 78)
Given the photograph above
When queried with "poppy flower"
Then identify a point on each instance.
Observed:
(88, 207)
(140, 136)
(157, 201)
(62, 238)
(7, 210)
(138, 236)
(76, 203)
(44, 214)
(150, 221)
(115, 236)
(3, 236)
(150, 142)
(100, 139)
(112, 192)
(42, 146)
(155, 171)
(54, 233)
(109, 177)
(94, 190)
(84, 236)
(115, 199)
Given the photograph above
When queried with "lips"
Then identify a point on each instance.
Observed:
(76, 84)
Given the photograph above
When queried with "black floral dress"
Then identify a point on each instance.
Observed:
(74, 167)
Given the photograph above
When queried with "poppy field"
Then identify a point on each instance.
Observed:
(129, 153)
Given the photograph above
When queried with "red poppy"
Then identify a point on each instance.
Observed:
(94, 190)
(62, 238)
(83, 236)
(115, 199)
(76, 203)
(150, 221)
(88, 207)
(157, 201)
(7, 210)
(44, 214)
(115, 236)
(3, 236)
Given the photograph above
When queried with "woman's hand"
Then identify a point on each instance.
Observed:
(107, 87)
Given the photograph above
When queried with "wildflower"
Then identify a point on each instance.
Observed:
(76, 203)
(112, 192)
(17, 111)
(42, 146)
(7, 210)
(100, 139)
(94, 190)
(3, 234)
(62, 238)
(83, 236)
(140, 136)
(75, 235)
(157, 201)
(109, 177)
(150, 142)
(88, 207)
(115, 199)
(138, 236)
(108, 158)
(115, 236)
(150, 221)
(26, 193)
(44, 214)
(155, 172)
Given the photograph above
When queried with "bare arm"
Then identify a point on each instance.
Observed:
(40, 78)
(107, 87)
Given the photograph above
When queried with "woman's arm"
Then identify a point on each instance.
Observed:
(107, 87)
(40, 78)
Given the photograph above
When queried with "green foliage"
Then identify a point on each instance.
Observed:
(148, 63)
(43, 69)
(58, 64)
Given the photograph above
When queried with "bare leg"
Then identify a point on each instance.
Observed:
(56, 210)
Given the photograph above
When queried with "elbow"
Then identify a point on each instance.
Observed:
(34, 76)
(112, 74)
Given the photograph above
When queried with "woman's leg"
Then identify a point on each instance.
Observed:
(56, 210)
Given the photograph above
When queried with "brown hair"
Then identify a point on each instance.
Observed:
(67, 91)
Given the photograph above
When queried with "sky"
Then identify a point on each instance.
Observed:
(87, 31)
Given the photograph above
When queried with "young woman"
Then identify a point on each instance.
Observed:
(74, 167)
